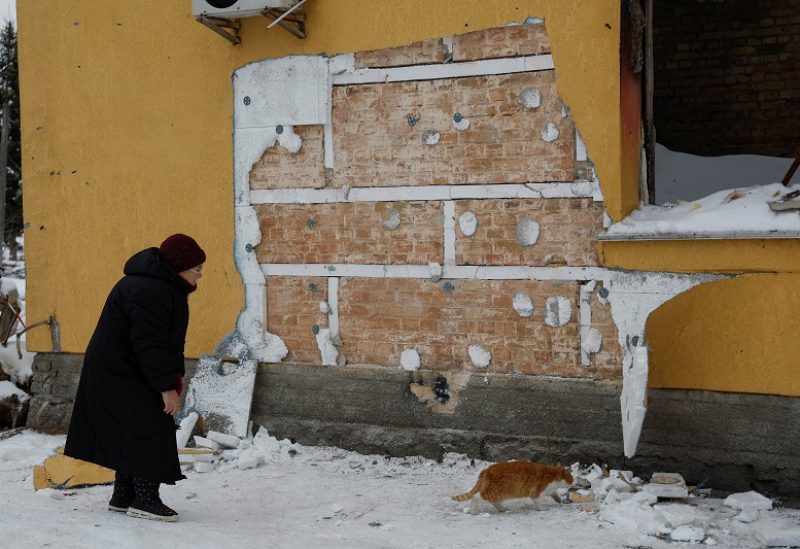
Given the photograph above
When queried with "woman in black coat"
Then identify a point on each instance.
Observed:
(132, 377)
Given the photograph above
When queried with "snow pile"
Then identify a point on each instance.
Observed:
(8, 389)
(744, 210)
(23, 451)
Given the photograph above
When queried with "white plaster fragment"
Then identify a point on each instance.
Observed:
(533, 21)
(327, 349)
(462, 125)
(249, 458)
(479, 356)
(691, 534)
(580, 148)
(203, 466)
(564, 109)
(290, 140)
(607, 222)
(431, 137)
(558, 311)
(468, 223)
(248, 147)
(527, 232)
(523, 305)
(582, 188)
(593, 342)
(778, 534)
(409, 360)
(226, 441)
(436, 271)
(750, 503)
(550, 132)
(203, 442)
(392, 221)
(184, 433)
(632, 399)
(530, 98)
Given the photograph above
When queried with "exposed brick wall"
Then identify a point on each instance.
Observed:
(375, 145)
(417, 53)
(609, 358)
(351, 233)
(379, 318)
(567, 232)
(280, 169)
(727, 76)
(292, 312)
(501, 42)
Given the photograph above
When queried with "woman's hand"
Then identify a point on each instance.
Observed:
(172, 402)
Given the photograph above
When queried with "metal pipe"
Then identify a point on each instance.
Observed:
(287, 12)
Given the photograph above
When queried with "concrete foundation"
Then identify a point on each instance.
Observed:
(736, 441)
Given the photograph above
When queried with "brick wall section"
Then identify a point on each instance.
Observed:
(567, 232)
(728, 76)
(379, 318)
(609, 359)
(375, 146)
(280, 169)
(417, 53)
(351, 233)
(501, 42)
(292, 312)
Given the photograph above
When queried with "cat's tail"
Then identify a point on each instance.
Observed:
(468, 495)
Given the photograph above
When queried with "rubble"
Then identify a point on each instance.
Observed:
(667, 485)
(226, 441)
(750, 503)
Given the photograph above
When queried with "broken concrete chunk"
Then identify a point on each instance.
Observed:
(203, 466)
(194, 458)
(778, 535)
(667, 485)
(184, 433)
(249, 458)
(203, 442)
(226, 441)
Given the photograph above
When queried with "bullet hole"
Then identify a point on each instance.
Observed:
(75, 24)
(311, 223)
(412, 120)
(41, 227)
(448, 287)
(466, 24)
(74, 171)
(440, 389)
(313, 287)
(608, 26)
(315, 329)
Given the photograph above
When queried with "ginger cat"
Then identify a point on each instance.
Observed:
(517, 479)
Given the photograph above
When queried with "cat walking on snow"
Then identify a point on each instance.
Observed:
(517, 479)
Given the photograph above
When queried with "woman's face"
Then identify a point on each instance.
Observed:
(192, 275)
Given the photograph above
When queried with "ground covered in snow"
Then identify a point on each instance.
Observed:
(330, 498)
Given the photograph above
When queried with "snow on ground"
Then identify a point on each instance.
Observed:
(741, 210)
(316, 497)
(682, 176)
(20, 369)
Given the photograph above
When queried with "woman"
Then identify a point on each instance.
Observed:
(132, 377)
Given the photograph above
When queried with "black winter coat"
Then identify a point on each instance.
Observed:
(135, 353)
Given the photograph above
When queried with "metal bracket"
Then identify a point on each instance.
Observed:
(226, 28)
(290, 20)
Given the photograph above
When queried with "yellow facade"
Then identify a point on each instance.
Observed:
(127, 122)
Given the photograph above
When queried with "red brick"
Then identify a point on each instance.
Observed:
(492, 43)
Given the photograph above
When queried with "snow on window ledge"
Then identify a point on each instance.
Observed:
(742, 213)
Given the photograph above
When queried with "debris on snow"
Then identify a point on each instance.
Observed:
(667, 485)
(226, 441)
(775, 534)
(203, 442)
(750, 503)
(184, 433)
(692, 534)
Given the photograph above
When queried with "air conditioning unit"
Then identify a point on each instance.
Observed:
(236, 9)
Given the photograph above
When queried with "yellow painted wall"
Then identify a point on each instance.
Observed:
(730, 335)
(127, 121)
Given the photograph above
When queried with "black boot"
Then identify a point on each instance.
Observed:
(147, 504)
(123, 493)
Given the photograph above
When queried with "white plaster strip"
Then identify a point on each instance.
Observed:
(327, 128)
(574, 189)
(580, 148)
(585, 315)
(449, 208)
(422, 271)
(333, 305)
(448, 70)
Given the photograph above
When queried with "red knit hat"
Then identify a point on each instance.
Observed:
(181, 252)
